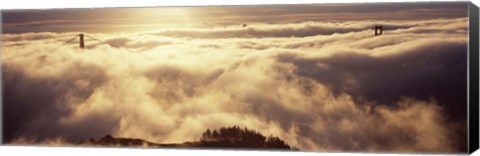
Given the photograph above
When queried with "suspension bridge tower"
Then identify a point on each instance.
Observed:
(82, 41)
(378, 30)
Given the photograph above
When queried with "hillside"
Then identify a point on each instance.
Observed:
(226, 138)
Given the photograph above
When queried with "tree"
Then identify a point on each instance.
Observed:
(206, 135)
(235, 137)
(215, 134)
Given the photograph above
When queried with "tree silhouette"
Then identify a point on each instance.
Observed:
(215, 134)
(225, 137)
(207, 134)
(235, 137)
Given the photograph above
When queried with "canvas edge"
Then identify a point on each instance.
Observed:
(473, 78)
(1, 80)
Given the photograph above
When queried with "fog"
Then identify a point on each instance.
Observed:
(323, 86)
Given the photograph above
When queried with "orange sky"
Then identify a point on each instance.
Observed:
(141, 19)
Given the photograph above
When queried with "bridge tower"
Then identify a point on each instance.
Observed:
(82, 42)
(378, 30)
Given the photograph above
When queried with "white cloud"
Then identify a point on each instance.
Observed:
(319, 86)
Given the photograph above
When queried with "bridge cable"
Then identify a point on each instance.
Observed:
(101, 41)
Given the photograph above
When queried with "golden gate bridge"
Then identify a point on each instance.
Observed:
(378, 30)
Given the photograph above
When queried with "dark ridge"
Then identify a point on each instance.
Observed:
(108, 140)
(235, 137)
(226, 138)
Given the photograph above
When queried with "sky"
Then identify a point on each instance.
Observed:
(313, 75)
(143, 19)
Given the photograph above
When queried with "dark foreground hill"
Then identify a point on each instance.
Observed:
(224, 138)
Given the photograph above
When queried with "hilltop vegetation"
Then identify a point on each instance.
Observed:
(235, 137)
(226, 137)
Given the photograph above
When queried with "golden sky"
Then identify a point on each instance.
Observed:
(141, 19)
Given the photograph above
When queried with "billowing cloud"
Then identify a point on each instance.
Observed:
(327, 86)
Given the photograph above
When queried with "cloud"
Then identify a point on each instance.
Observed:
(329, 86)
(125, 42)
(36, 101)
(418, 62)
(27, 36)
(262, 30)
